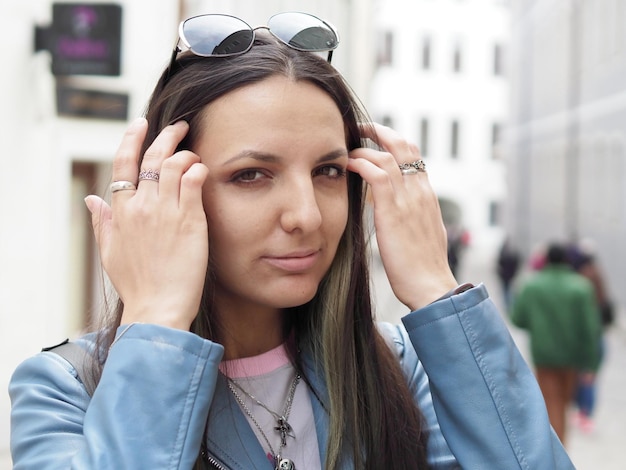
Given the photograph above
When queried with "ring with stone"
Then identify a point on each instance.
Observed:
(413, 167)
(148, 174)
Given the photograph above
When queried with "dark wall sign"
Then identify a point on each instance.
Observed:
(76, 102)
(84, 39)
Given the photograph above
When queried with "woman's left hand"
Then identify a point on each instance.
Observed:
(409, 227)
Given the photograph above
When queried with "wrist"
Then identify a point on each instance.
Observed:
(455, 291)
(157, 316)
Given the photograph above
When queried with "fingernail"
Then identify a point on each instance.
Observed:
(89, 202)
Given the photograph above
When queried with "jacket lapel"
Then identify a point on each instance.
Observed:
(230, 439)
(317, 392)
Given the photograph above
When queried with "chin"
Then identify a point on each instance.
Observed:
(294, 298)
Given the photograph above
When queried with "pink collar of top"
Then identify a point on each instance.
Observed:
(255, 365)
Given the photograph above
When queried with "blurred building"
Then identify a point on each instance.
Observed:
(67, 95)
(441, 81)
(566, 143)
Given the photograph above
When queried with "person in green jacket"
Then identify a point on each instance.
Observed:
(558, 309)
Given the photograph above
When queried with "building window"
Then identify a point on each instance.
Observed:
(495, 214)
(424, 134)
(454, 139)
(457, 59)
(497, 60)
(385, 48)
(426, 53)
(495, 140)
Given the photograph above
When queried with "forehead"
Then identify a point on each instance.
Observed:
(277, 113)
(272, 97)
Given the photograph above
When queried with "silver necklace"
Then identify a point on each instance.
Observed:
(283, 427)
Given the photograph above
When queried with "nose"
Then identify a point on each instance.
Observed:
(301, 210)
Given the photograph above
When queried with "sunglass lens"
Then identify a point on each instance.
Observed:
(210, 35)
(303, 31)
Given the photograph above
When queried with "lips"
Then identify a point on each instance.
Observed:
(294, 262)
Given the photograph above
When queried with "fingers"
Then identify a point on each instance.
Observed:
(153, 240)
(161, 149)
(127, 157)
(181, 180)
(395, 150)
(392, 142)
(409, 227)
(100, 219)
(175, 178)
(158, 157)
(191, 186)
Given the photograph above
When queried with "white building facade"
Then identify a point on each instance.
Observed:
(567, 140)
(441, 82)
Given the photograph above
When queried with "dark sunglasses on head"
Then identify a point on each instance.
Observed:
(217, 35)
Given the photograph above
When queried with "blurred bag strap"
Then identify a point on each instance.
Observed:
(80, 359)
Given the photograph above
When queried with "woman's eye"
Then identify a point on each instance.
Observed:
(248, 175)
(331, 171)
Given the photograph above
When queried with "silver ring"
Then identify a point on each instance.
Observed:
(122, 186)
(413, 167)
(152, 175)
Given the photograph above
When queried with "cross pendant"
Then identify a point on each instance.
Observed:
(284, 429)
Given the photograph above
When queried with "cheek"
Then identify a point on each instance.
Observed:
(336, 217)
(223, 222)
(227, 225)
(229, 245)
(236, 225)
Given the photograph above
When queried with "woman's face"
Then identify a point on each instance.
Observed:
(276, 197)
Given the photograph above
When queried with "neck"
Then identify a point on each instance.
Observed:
(247, 332)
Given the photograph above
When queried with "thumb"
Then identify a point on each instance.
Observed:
(100, 219)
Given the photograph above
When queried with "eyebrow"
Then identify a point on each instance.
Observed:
(271, 158)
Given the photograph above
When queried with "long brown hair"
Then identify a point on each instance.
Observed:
(373, 415)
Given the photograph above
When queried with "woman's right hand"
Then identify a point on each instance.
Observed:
(153, 241)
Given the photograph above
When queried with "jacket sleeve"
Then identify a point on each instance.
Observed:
(148, 411)
(487, 401)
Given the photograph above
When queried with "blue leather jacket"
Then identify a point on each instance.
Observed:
(482, 404)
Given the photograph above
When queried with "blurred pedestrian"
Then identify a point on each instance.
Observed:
(508, 264)
(537, 258)
(584, 261)
(458, 240)
(557, 306)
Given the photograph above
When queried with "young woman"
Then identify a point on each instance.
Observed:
(244, 336)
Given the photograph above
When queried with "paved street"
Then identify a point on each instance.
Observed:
(602, 449)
